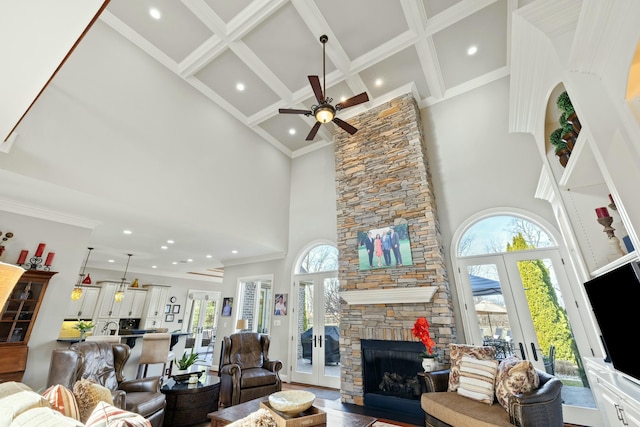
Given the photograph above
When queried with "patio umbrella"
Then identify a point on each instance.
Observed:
(489, 308)
(483, 286)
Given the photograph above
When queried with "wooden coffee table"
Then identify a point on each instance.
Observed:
(335, 417)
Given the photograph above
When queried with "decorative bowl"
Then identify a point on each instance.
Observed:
(291, 402)
(180, 378)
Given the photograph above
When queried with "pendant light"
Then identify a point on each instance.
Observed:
(119, 296)
(76, 294)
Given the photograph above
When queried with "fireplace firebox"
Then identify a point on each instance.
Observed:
(390, 375)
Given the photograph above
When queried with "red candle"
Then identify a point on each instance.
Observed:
(611, 198)
(23, 256)
(40, 249)
(602, 212)
(49, 260)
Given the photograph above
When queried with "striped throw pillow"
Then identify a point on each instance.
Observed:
(477, 378)
(62, 400)
(105, 415)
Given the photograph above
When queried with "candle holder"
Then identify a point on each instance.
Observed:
(35, 263)
(615, 250)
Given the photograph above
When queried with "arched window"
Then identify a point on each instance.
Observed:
(319, 258)
(495, 235)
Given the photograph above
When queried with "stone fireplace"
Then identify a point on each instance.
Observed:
(382, 177)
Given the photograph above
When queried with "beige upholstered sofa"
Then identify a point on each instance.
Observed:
(541, 407)
(20, 406)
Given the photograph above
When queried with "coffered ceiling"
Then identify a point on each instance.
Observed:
(381, 47)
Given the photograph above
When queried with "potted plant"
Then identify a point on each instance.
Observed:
(429, 357)
(563, 153)
(84, 327)
(556, 137)
(187, 361)
(564, 104)
(569, 135)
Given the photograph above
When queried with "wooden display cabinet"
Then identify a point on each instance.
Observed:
(16, 322)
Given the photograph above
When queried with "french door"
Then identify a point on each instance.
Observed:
(521, 303)
(203, 319)
(317, 316)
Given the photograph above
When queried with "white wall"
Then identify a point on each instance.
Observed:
(69, 244)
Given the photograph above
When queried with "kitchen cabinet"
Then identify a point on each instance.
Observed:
(154, 309)
(84, 307)
(618, 397)
(106, 299)
(16, 322)
(131, 306)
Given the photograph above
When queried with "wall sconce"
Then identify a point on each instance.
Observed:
(119, 296)
(76, 294)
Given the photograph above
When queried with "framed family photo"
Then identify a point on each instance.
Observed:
(387, 246)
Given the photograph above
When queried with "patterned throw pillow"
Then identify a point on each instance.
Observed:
(515, 376)
(460, 350)
(62, 400)
(105, 415)
(88, 394)
(477, 378)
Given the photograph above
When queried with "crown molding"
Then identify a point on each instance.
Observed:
(20, 208)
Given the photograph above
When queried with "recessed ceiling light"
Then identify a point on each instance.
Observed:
(154, 266)
(174, 262)
(189, 260)
(472, 50)
(127, 232)
(343, 98)
(240, 87)
(234, 251)
(171, 242)
(378, 82)
(292, 131)
(164, 247)
(209, 256)
(155, 13)
(111, 260)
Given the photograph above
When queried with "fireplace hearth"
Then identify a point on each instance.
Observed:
(390, 374)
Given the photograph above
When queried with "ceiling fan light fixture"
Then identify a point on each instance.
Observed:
(325, 113)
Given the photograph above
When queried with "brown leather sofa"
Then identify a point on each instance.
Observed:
(245, 371)
(103, 362)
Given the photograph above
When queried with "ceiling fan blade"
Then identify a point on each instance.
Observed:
(313, 132)
(317, 89)
(293, 111)
(344, 125)
(354, 100)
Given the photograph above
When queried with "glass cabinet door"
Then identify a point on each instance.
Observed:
(21, 308)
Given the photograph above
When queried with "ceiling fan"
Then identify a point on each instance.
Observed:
(324, 112)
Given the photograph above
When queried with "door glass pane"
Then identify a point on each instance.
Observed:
(304, 360)
(208, 331)
(491, 309)
(331, 341)
(556, 343)
(193, 324)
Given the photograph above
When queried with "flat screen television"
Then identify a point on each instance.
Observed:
(615, 300)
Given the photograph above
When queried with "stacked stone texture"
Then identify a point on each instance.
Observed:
(383, 179)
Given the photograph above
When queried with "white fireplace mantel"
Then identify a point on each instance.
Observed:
(389, 295)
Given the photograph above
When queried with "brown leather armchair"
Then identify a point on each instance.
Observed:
(245, 371)
(103, 362)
